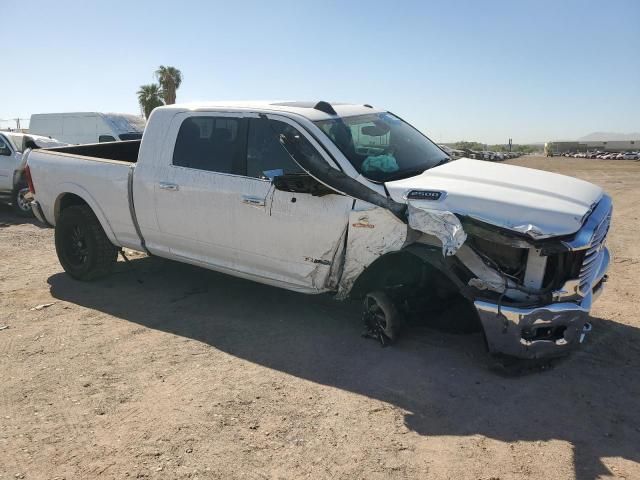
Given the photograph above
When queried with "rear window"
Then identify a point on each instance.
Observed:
(214, 144)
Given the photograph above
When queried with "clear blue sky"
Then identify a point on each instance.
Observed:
(472, 70)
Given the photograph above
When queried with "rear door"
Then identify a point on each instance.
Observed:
(195, 195)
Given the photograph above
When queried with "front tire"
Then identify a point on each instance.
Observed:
(19, 204)
(382, 319)
(83, 249)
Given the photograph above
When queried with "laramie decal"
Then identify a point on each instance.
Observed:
(363, 222)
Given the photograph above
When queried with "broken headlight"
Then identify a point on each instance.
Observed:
(504, 258)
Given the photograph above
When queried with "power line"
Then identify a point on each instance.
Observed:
(17, 120)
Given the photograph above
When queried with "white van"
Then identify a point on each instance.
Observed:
(87, 127)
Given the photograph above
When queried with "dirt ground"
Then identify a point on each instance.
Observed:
(193, 374)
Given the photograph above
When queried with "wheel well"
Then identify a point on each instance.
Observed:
(427, 293)
(401, 268)
(66, 200)
(391, 269)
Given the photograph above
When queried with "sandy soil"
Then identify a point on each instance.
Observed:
(193, 374)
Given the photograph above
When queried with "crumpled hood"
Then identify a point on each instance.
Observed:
(535, 202)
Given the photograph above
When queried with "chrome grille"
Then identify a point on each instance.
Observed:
(594, 254)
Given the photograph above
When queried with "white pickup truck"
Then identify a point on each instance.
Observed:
(320, 197)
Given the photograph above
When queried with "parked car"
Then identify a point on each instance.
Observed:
(13, 185)
(631, 156)
(87, 127)
(452, 153)
(280, 193)
(474, 154)
(487, 155)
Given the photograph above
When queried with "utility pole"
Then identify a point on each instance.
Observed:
(17, 120)
(18, 126)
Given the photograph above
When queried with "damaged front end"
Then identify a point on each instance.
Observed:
(545, 311)
(532, 295)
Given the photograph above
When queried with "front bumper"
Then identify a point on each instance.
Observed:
(544, 331)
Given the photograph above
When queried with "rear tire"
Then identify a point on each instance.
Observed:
(83, 249)
(20, 206)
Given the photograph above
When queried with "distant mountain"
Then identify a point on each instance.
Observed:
(609, 136)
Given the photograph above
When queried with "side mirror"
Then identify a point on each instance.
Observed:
(4, 150)
(300, 183)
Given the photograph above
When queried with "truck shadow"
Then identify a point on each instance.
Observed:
(7, 217)
(441, 381)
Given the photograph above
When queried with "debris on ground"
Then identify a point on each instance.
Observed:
(42, 306)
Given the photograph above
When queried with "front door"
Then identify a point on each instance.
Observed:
(298, 237)
(217, 205)
(7, 165)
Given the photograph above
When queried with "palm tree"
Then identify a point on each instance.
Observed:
(170, 79)
(149, 97)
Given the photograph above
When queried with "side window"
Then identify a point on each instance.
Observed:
(266, 157)
(4, 148)
(215, 144)
(106, 138)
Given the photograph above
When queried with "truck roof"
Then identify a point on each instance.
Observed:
(73, 114)
(312, 110)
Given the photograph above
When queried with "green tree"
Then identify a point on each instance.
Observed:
(149, 97)
(170, 79)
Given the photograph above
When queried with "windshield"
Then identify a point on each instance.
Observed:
(20, 141)
(130, 136)
(15, 141)
(383, 147)
(124, 123)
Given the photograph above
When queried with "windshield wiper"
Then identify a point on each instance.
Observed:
(415, 171)
(406, 174)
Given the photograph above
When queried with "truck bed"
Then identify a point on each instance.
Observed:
(98, 174)
(121, 151)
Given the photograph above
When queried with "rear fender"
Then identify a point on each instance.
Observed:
(83, 194)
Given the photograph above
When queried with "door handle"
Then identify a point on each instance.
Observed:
(253, 201)
(172, 187)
